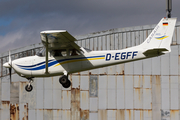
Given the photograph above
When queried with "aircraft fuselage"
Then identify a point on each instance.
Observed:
(34, 66)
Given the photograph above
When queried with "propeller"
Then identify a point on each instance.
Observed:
(10, 64)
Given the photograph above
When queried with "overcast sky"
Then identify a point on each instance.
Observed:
(21, 21)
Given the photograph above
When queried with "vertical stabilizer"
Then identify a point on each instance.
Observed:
(161, 37)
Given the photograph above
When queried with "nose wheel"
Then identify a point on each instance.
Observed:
(29, 87)
(65, 82)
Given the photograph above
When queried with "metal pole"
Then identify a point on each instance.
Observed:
(169, 8)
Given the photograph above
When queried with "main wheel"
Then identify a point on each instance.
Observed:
(67, 85)
(29, 88)
(63, 79)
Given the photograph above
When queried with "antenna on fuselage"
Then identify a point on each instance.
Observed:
(169, 8)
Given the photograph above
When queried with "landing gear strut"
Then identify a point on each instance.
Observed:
(64, 81)
(29, 87)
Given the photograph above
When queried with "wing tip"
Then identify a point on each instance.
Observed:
(52, 31)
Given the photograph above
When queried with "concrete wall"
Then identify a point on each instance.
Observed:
(142, 90)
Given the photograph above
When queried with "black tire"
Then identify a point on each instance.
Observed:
(67, 85)
(63, 79)
(29, 89)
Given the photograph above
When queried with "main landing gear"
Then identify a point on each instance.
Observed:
(29, 87)
(66, 83)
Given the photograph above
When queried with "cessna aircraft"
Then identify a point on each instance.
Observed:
(62, 56)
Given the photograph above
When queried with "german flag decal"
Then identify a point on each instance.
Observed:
(165, 24)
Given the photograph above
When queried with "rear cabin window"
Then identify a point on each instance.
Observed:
(58, 53)
(74, 52)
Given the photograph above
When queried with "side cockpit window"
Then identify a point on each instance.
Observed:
(58, 53)
(74, 52)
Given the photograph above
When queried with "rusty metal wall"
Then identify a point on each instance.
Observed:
(142, 90)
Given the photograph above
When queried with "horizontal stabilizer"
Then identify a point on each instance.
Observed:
(155, 52)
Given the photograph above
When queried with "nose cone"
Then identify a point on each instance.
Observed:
(6, 65)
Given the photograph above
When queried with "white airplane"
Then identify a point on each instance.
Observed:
(62, 56)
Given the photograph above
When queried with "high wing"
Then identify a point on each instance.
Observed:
(58, 39)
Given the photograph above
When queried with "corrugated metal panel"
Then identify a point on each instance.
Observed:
(120, 40)
(165, 93)
(178, 34)
(147, 115)
(111, 92)
(48, 93)
(83, 43)
(174, 60)
(137, 37)
(66, 115)
(66, 100)
(165, 64)
(120, 92)
(84, 115)
(84, 100)
(40, 99)
(5, 110)
(138, 92)
(129, 114)
(132, 39)
(102, 114)
(93, 106)
(156, 97)
(48, 114)
(84, 82)
(31, 114)
(40, 115)
(129, 92)
(156, 66)
(100, 43)
(75, 81)
(147, 66)
(147, 92)
(120, 114)
(141, 37)
(174, 114)
(91, 41)
(116, 41)
(129, 68)
(174, 93)
(120, 69)
(93, 116)
(14, 92)
(5, 95)
(174, 40)
(102, 92)
(124, 40)
(104, 43)
(138, 67)
(87, 44)
(138, 115)
(75, 104)
(111, 114)
(23, 111)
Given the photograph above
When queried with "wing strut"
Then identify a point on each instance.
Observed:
(46, 72)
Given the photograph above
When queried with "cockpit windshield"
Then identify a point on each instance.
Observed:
(88, 50)
(42, 52)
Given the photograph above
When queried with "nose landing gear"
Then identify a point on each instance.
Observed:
(29, 87)
(65, 81)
